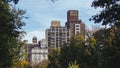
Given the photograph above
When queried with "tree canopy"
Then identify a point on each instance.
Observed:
(14, 1)
(110, 14)
(108, 37)
(10, 34)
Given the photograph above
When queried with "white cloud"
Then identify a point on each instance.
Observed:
(39, 34)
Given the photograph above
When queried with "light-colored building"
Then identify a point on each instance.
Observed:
(38, 55)
(37, 52)
(56, 35)
(43, 43)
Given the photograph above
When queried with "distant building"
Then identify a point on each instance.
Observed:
(43, 43)
(73, 24)
(56, 35)
(29, 48)
(55, 23)
(34, 40)
(37, 53)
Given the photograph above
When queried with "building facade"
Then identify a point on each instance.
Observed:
(43, 43)
(56, 35)
(38, 55)
(37, 52)
(74, 25)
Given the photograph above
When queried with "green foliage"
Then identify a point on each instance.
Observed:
(74, 65)
(23, 50)
(117, 39)
(54, 59)
(44, 64)
(109, 38)
(14, 1)
(108, 52)
(110, 13)
(76, 50)
(21, 64)
(10, 34)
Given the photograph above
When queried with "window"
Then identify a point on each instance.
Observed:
(44, 55)
(53, 29)
(77, 32)
(77, 29)
(64, 29)
(77, 25)
(35, 58)
(39, 57)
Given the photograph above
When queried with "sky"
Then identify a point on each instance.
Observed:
(40, 13)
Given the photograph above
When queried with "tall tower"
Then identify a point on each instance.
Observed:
(74, 25)
(56, 35)
(72, 15)
(34, 39)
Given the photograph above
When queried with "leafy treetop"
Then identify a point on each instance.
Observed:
(110, 14)
(6, 1)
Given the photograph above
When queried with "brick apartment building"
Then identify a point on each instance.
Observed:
(73, 24)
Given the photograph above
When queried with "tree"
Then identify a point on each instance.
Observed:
(21, 64)
(54, 59)
(108, 52)
(74, 65)
(70, 52)
(76, 50)
(10, 34)
(44, 64)
(110, 15)
(14, 1)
